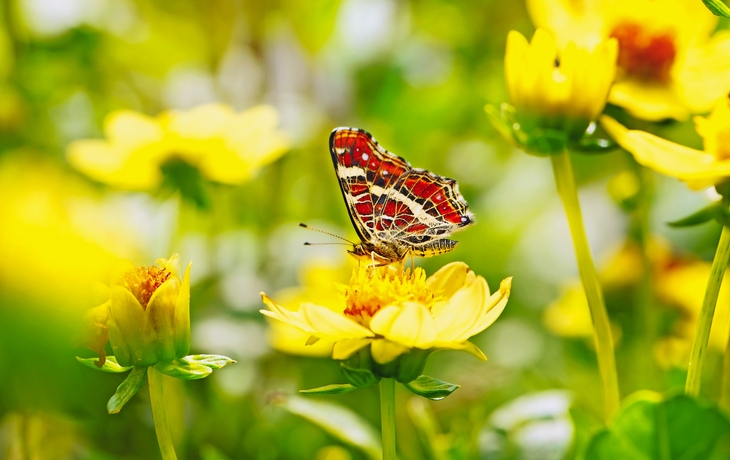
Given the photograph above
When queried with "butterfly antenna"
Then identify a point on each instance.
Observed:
(303, 225)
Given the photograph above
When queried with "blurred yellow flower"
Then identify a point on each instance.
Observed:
(669, 64)
(698, 169)
(225, 146)
(678, 285)
(147, 315)
(558, 88)
(395, 310)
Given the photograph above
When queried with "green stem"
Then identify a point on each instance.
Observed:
(157, 401)
(565, 182)
(725, 390)
(387, 417)
(702, 337)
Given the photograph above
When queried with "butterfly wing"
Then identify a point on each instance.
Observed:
(420, 208)
(367, 172)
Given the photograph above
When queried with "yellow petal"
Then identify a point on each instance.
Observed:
(133, 331)
(467, 346)
(202, 122)
(514, 63)
(132, 129)
(410, 325)
(343, 349)
(462, 312)
(704, 76)
(160, 313)
(699, 169)
(494, 306)
(329, 324)
(652, 102)
(570, 21)
(182, 315)
(385, 351)
(287, 316)
(450, 278)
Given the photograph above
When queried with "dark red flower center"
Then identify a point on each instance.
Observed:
(643, 54)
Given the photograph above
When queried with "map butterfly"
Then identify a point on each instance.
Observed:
(396, 210)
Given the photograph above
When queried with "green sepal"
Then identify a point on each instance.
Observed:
(714, 211)
(211, 361)
(128, 388)
(110, 365)
(431, 388)
(181, 176)
(717, 7)
(593, 141)
(538, 141)
(334, 389)
(184, 370)
(361, 378)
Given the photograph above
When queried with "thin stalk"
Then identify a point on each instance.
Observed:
(725, 390)
(565, 182)
(387, 417)
(702, 336)
(157, 401)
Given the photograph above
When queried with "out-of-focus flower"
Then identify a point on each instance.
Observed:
(698, 169)
(669, 64)
(678, 285)
(395, 311)
(557, 88)
(224, 146)
(147, 315)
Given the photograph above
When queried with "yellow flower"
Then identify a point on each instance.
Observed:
(563, 89)
(395, 311)
(225, 146)
(698, 169)
(669, 64)
(147, 316)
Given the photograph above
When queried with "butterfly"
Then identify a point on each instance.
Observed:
(396, 210)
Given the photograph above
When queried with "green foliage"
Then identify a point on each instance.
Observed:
(717, 7)
(110, 365)
(128, 388)
(431, 388)
(652, 428)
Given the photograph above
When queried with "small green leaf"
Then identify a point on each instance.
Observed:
(707, 214)
(361, 378)
(211, 361)
(650, 428)
(334, 389)
(717, 7)
(110, 365)
(184, 370)
(338, 421)
(431, 388)
(128, 388)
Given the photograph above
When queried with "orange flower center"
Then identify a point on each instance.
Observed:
(142, 282)
(644, 54)
(372, 289)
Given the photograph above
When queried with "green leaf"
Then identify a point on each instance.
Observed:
(110, 365)
(361, 378)
(649, 428)
(717, 7)
(334, 389)
(431, 388)
(714, 211)
(129, 387)
(338, 421)
(184, 370)
(211, 361)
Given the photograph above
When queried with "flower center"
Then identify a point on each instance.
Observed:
(371, 289)
(142, 282)
(644, 54)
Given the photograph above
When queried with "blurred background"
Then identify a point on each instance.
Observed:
(415, 74)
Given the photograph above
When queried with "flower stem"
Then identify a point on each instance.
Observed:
(702, 336)
(387, 417)
(565, 182)
(157, 401)
(725, 386)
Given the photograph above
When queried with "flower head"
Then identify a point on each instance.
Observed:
(668, 64)
(222, 145)
(561, 89)
(147, 316)
(699, 169)
(395, 311)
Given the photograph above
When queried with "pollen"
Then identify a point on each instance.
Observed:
(645, 54)
(142, 282)
(371, 289)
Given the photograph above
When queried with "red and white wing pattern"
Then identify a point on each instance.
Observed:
(390, 202)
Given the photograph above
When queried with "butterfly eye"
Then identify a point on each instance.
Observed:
(465, 219)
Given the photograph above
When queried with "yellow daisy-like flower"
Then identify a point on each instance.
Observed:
(557, 88)
(670, 64)
(225, 146)
(395, 311)
(698, 169)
